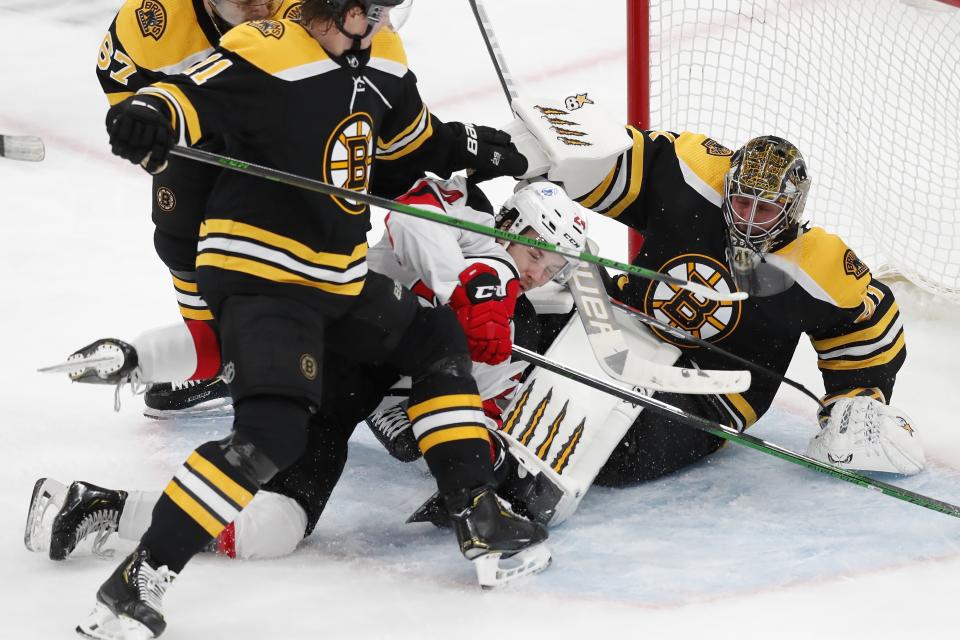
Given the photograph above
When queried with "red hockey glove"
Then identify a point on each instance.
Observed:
(484, 307)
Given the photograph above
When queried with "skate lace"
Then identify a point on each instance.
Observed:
(137, 387)
(392, 422)
(152, 584)
(102, 522)
(186, 384)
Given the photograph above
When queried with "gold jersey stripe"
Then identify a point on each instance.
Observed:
(876, 361)
(452, 434)
(301, 251)
(192, 124)
(412, 146)
(386, 144)
(388, 46)
(173, 37)
(195, 314)
(594, 196)
(183, 285)
(294, 47)
(740, 404)
(711, 169)
(194, 509)
(120, 96)
(635, 179)
(455, 401)
(864, 335)
(219, 479)
(274, 274)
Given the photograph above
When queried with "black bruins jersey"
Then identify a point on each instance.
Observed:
(277, 98)
(149, 40)
(670, 187)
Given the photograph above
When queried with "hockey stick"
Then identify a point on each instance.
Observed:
(732, 435)
(603, 330)
(318, 186)
(618, 361)
(29, 148)
(683, 335)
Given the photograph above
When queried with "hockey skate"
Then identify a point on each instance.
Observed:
(190, 399)
(86, 509)
(45, 502)
(393, 429)
(501, 545)
(130, 603)
(105, 361)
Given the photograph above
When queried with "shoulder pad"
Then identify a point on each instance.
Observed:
(282, 48)
(704, 162)
(827, 268)
(161, 35)
(387, 53)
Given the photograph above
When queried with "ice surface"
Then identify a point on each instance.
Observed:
(738, 547)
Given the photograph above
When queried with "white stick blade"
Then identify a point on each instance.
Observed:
(29, 148)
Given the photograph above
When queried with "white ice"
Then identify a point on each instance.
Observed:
(741, 546)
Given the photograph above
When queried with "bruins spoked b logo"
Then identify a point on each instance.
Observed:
(166, 199)
(308, 366)
(702, 318)
(348, 157)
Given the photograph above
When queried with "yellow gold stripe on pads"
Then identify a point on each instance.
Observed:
(194, 133)
(511, 420)
(527, 434)
(219, 479)
(274, 274)
(870, 333)
(194, 509)
(741, 405)
(455, 401)
(451, 434)
(196, 314)
(634, 184)
(879, 359)
(298, 249)
(563, 458)
(183, 285)
(544, 447)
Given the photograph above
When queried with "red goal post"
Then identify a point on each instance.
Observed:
(869, 90)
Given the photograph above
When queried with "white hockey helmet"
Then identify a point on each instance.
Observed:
(545, 208)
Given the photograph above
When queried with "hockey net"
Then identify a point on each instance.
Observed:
(869, 90)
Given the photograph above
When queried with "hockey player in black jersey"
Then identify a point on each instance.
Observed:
(145, 43)
(285, 275)
(732, 221)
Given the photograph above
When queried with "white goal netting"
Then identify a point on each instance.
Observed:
(869, 90)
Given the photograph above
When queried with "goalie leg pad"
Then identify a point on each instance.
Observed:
(867, 435)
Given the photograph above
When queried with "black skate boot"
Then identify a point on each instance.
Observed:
(130, 602)
(106, 361)
(502, 545)
(86, 509)
(191, 399)
(393, 429)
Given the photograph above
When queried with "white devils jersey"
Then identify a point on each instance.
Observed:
(428, 258)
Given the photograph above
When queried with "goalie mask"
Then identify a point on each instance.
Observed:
(763, 197)
(547, 210)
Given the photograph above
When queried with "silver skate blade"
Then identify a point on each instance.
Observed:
(494, 571)
(29, 148)
(76, 365)
(46, 491)
(103, 624)
(215, 410)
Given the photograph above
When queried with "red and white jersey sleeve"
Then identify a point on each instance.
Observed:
(428, 257)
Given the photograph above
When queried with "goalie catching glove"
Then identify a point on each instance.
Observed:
(140, 132)
(484, 307)
(867, 435)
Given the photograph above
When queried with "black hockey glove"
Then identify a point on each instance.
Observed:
(488, 152)
(140, 132)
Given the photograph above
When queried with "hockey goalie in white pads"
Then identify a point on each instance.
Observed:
(867, 435)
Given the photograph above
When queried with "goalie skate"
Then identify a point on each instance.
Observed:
(45, 501)
(502, 546)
